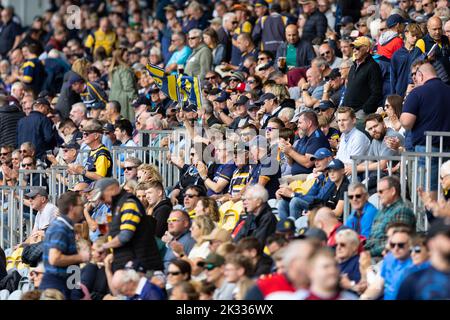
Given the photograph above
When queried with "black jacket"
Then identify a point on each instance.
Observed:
(263, 266)
(9, 118)
(305, 52)
(142, 246)
(67, 98)
(259, 227)
(161, 213)
(315, 27)
(37, 129)
(364, 87)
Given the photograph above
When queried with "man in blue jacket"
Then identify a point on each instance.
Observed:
(37, 128)
(361, 218)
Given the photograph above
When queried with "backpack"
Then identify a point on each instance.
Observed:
(11, 281)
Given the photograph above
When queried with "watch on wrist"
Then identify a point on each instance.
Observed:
(83, 172)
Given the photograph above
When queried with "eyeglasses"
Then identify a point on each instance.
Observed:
(383, 29)
(262, 58)
(251, 81)
(87, 133)
(381, 191)
(416, 249)
(190, 196)
(4, 153)
(355, 196)
(341, 244)
(210, 78)
(400, 245)
(173, 273)
(192, 38)
(27, 164)
(426, 5)
(129, 168)
(210, 266)
(270, 129)
(325, 53)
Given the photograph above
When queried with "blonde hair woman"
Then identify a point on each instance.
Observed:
(148, 173)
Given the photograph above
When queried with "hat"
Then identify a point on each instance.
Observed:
(140, 101)
(241, 101)
(306, 1)
(394, 19)
(326, 104)
(222, 97)
(44, 94)
(71, 145)
(285, 225)
(41, 101)
(335, 73)
(362, 41)
(98, 105)
(321, 153)
(216, 20)
(335, 164)
(153, 89)
(238, 75)
(215, 91)
(108, 127)
(213, 260)
(93, 126)
(37, 191)
(439, 226)
(346, 20)
(261, 3)
(135, 265)
(264, 97)
(252, 106)
(101, 185)
(74, 78)
(219, 234)
(238, 6)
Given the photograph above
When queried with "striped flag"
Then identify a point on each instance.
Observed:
(166, 83)
(190, 89)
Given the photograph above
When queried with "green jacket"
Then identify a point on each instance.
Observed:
(124, 90)
(199, 62)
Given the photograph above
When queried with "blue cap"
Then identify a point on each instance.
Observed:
(394, 19)
(285, 225)
(259, 3)
(335, 164)
(326, 104)
(321, 153)
(264, 97)
(222, 97)
(74, 78)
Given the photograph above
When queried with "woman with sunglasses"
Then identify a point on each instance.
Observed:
(179, 270)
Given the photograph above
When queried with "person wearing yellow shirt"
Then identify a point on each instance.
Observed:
(104, 37)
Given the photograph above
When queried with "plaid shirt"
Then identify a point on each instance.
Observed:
(396, 212)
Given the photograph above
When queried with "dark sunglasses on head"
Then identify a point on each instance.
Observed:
(356, 196)
(400, 245)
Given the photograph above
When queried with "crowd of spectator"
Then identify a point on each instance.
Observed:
(291, 91)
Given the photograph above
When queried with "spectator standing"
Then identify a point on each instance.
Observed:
(159, 206)
(10, 32)
(180, 52)
(33, 70)
(200, 60)
(103, 37)
(298, 52)
(10, 114)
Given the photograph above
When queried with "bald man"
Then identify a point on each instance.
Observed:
(326, 220)
(447, 29)
(425, 110)
(441, 52)
(298, 52)
(327, 52)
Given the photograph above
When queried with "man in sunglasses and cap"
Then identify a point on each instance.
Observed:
(365, 84)
(131, 230)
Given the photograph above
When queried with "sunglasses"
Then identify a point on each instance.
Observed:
(325, 53)
(383, 29)
(4, 153)
(251, 81)
(357, 48)
(262, 58)
(192, 38)
(270, 129)
(27, 164)
(400, 245)
(235, 22)
(416, 249)
(190, 196)
(87, 133)
(355, 196)
(210, 78)
(381, 191)
(210, 266)
(129, 168)
(426, 5)
(341, 244)
(173, 273)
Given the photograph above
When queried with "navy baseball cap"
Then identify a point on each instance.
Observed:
(335, 164)
(285, 225)
(335, 73)
(189, 107)
(222, 97)
(74, 78)
(241, 101)
(321, 153)
(261, 3)
(264, 97)
(141, 100)
(326, 104)
(394, 19)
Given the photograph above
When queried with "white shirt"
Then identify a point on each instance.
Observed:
(45, 217)
(353, 143)
(336, 63)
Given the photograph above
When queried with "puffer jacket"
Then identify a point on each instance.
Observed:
(9, 118)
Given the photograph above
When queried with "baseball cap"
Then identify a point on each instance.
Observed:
(70, 145)
(44, 94)
(310, 233)
(108, 127)
(222, 97)
(335, 164)
(326, 104)
(252, 106)
(321, 153)
(41, 101)
(101, 185)
(346, 20)
(74, 78)
(335, 73)
(189, 107)
(362, 41)
(219, 234)
(98, 105)
(141, 100)
(241, 101)
(439, 226)
(212, 261)
(264, 97)
(285, 225)
(261, 3)
(41, 191)
(394, 19)
(135, 265)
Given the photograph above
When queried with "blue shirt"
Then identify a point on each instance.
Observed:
(392, 273)
(268, 168)
(428, 103)
(362, 224)
(308, 145)
(148, 291)
(180, 56)
(321, 190)
(100, 211)
(186, 240)
(350, 267)
(225, 171)
(60, 235)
